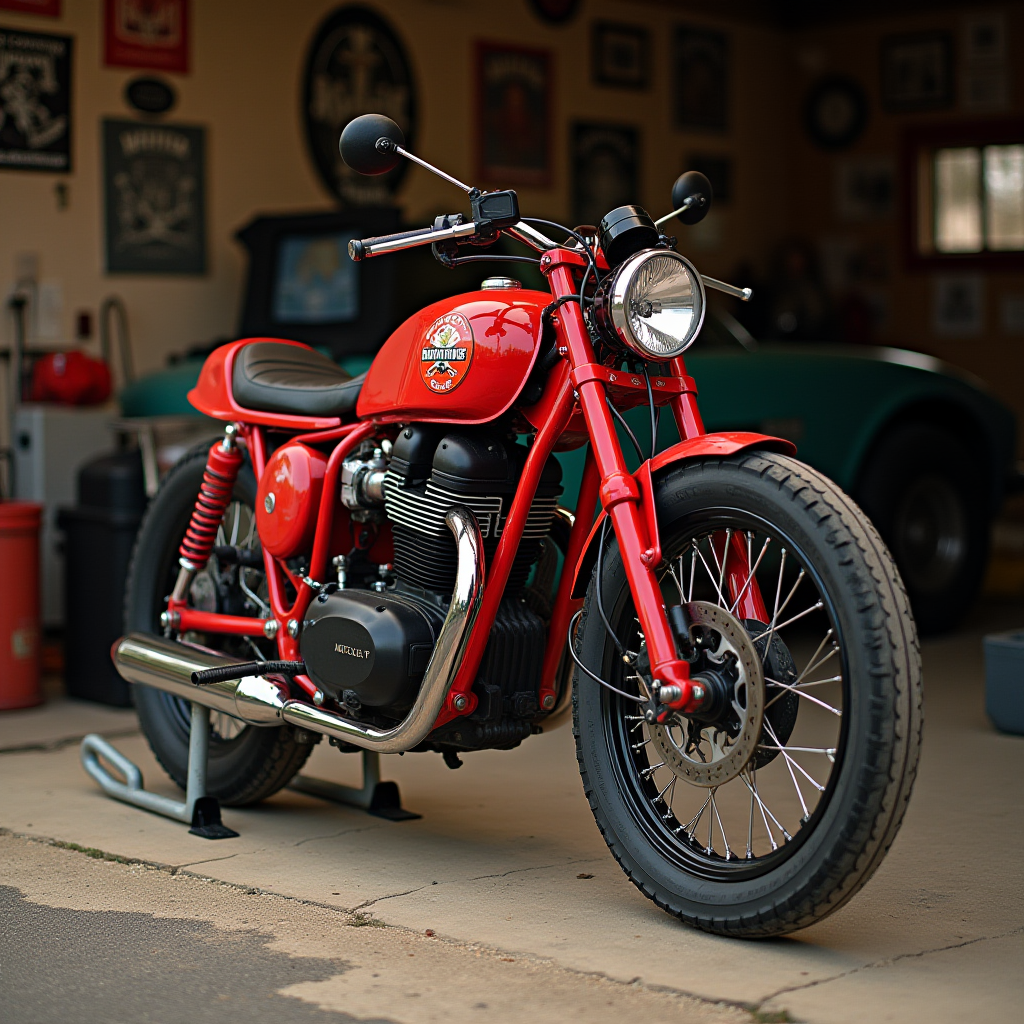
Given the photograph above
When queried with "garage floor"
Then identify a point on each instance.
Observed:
(501, 902)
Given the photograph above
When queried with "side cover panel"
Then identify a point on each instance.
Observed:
(461, 360)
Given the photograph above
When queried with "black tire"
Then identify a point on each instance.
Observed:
(839, 843)
(244, 767)
(928, 495)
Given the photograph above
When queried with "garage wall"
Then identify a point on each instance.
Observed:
(244, 86)
(866, 257)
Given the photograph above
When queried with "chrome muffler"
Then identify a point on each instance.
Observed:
(168, 665)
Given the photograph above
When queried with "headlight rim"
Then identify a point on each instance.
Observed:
(611, 306)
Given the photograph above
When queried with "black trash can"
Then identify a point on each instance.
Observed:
(99, 535)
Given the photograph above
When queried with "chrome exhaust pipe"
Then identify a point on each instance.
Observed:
(168, 665)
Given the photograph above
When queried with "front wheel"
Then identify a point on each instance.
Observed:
(773, 807)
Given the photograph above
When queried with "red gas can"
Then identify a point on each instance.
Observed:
(19, 605)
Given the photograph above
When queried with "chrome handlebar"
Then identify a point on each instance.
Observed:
(365, 248)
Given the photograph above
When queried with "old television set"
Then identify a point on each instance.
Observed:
(303, 286)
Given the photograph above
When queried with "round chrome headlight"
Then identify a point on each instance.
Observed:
(654, 304)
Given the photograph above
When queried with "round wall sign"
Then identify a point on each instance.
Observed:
(356, 65)
(150, 95)
(836, 112)
(555, 12)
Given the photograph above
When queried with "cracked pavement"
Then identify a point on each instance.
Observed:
(507, 862)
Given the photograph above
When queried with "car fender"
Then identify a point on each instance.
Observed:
(703, 447)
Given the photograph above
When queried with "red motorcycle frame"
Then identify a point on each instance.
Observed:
(574, 401)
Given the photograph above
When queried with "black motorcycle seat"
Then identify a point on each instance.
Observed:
(272, 377)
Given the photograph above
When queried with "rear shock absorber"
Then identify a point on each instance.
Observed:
(222, 466)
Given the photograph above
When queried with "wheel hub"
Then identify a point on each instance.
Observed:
(713, 745)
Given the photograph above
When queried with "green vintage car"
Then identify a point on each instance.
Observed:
(921, 446)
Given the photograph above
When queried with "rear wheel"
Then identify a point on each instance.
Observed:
(772, 808)
(246, 763)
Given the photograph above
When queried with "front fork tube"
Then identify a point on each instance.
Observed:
(620, 498)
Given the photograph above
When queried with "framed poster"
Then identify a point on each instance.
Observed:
(620, 55)
(700, 78)
(958, 306)
(46, 8)
(35, 101)
(155, 203)
(356, 65)
(605, 169)
(865, 187)
(513, 115)
(917, 71)
(718, 170)
(146, 34)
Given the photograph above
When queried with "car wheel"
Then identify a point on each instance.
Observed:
(925, 491)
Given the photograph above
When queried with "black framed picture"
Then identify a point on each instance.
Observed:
(620, 55)
(605, 169)
(356, 65)
(155, 198)
(513, 92)
(35, 101)
(917, 71)
(700, 78)
(718, 170)
(835, 112)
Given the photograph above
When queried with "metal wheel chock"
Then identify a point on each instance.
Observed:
(200, 811)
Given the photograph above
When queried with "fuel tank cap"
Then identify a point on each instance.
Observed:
(499, 284)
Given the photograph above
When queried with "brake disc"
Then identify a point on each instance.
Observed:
(710, 754)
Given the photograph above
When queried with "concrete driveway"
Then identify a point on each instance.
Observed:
(507, 862)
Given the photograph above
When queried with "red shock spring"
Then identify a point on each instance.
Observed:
(222, 465)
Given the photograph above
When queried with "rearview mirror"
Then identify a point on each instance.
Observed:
(358, 144)
(693, 186)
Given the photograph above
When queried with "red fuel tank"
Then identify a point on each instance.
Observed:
(462, 360)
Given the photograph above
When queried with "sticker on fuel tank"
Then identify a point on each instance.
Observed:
(447, 354)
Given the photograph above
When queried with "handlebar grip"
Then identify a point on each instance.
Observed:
(357, 246)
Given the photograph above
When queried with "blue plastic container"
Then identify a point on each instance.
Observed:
(1004, 681)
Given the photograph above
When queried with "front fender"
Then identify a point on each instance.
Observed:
(702, 447)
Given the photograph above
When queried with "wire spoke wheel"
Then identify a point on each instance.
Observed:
(770, 805)
(732, 789)
(246, 763)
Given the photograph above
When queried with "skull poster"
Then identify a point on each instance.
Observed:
(35, 101)
(155, 198)
(356, 65)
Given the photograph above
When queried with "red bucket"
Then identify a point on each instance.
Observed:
(19, 605)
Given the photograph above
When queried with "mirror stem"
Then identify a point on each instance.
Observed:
(387, 146)
(743, 294)
(687, 203)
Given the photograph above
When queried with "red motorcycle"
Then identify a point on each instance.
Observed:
(383, 560)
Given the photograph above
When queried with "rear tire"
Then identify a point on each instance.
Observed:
(835, 847)
(248, 764)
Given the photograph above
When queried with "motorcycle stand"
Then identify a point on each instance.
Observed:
(381, 799)
(202, 812)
